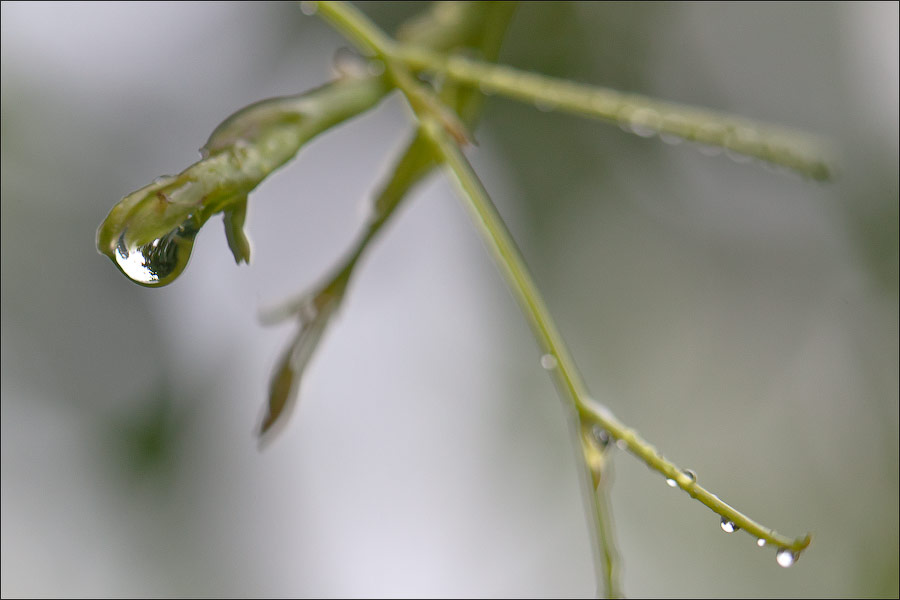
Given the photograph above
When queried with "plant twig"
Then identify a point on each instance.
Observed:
(638, 114)
(565, 373)
(430, 112)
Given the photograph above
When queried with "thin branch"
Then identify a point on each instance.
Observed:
(565, 373)
(638, 114)
(589, 410)
(430, 110)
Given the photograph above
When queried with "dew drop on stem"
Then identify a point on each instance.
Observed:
(786, 557)
(728, 526)
(601, 436)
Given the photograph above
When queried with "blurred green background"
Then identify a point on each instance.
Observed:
(745, 321)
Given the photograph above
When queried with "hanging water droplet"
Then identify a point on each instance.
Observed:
(690, 474)
(158, 262)
(709, 150)
(670, 139)
(737, 156)
(728, 526)
(786, 557)
(621, 444)
(644, 122)
(309, 8)
(760, 542)
(548, 361)
(671, 482)
(485, 89)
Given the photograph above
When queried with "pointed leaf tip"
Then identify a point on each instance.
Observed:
(280, 392)
(234, 231)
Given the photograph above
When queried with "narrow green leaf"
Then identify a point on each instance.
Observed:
(234, 231)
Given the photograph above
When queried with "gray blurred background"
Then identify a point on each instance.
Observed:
(745, 321)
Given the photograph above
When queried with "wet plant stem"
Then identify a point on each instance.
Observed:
(799, 152)
(445, 143)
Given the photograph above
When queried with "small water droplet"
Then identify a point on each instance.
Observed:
(158, 262)
(601, 436)
(548, 361)
(485, 89)
(621, 444)
(760, 542)
(690, 474)
(670, 139)
(786, 557)
(671, 482)
(644, 122)
(309, 8)
(737, 156)
(728, 526)
(544, 105)
(708, 150)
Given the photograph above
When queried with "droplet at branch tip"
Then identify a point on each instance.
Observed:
(785, 557)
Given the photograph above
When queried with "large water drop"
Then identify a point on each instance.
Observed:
(786, 557)
(158, 262)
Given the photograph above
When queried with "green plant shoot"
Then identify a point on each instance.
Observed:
(150, 233)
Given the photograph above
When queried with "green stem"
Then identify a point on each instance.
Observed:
(566, 375)
(430, 110)
(638, 114)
